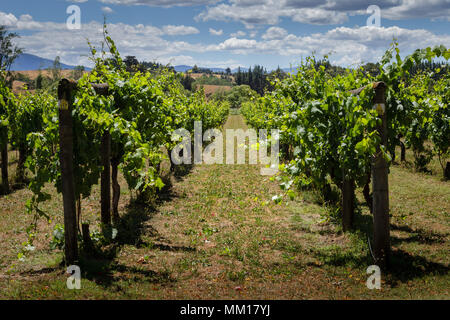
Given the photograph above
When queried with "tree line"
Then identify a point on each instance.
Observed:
(257, 78)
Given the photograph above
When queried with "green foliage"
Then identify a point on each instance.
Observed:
(257, 78)
(8, 50)
(140, 111)
(417, 108)
(196, 69)
(57, 241)
(333, 133)
(26, 116)
(237, 96)
(211, 80)
(187, 81)
(440, 122)
(6, 102)
(77, 72)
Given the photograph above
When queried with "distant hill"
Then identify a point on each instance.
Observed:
(28, 61)
(31, 62)
(242, 69)
(182, 68)
(217, 69)
(287, 70)
(292, 70)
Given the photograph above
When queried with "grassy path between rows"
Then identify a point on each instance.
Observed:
(217, 235)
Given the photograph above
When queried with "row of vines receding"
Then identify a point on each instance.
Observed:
(131, 116)
(334, 129)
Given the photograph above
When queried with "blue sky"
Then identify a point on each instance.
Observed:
(230, 33)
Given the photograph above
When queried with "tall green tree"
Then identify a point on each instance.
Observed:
(78, 72)
(131, 63)
(55, 70)
(8, 53)
(8, 50)
(239, 77)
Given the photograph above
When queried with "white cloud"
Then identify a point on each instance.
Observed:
(409, 9)
(25, 18)
(349, 45)
(107, 10)
(218, 63)
(25, 22)
(178, 60)
(318, 16)
(190, 61)
(248, 12)
(269, 12)
(215, 32)
(320, 12)
(49, 39)
(237, 44)
(8, 20)
(179, 30)
(238, 34)
(275, 33)
(161, 3)
(253, 33)
(393, 9)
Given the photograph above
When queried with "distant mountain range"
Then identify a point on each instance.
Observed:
(28, 61)
(31, 62)
(184, 68)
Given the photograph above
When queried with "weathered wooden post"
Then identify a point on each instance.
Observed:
(447, 171)
(106, 180)
(20, 171)
(115, 161)
(348, 203)
(380, 170)
(4, 156)
(65, 90)
(87, 241)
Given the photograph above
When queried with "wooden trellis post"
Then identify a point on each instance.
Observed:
(380, 184)
(106, 179)
(65, 90)
(4, 156)
(348, 203)
(65, 96)
(116, 188)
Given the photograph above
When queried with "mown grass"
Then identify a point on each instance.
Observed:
(217, 234)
